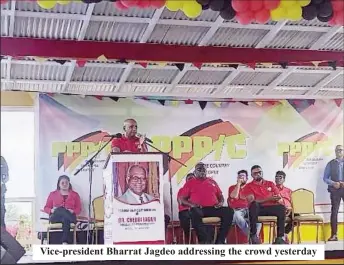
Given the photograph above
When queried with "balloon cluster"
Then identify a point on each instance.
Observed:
(254, 10)
(125, 4)
(191, 8)
(223, 6)
(321, 9)
(289, 9)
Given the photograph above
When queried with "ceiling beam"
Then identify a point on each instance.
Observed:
(12, 18)
(86, 21)
(69, 74)
(89, 50)
(271, 34)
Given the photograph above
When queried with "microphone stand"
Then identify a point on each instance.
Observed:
(90, 163)
(174, 240)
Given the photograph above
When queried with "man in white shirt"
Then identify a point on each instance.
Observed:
(137, 183)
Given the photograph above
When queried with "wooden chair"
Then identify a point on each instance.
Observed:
(98, 214)
(57, 227)
(272, 222)
(304, 212)
(212, 221)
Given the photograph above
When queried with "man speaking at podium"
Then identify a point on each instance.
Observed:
(129, 142)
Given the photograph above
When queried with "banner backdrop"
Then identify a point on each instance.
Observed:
(298, 137)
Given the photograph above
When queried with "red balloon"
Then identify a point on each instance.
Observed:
(144, 3)
(119, 5)
(339, 16)
(256, 5)
(241, 5)
(3, 1)
(332, 22)
(271, 4)
(337, 5)
(245, 18)
(262, 16)
(129, 3)
(158, 3)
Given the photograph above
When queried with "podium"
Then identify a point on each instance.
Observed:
(133, 199)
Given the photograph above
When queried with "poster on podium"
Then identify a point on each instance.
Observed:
(133, 199)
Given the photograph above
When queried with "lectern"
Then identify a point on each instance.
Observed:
(133, 199)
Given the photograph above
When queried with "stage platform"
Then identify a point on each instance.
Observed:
(334, 254)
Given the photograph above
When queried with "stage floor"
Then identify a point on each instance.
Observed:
(334, 255)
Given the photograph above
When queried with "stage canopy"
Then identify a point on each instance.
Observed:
(99, 49)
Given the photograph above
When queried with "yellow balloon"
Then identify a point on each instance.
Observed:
(192, 9)
(174, 5)
(46, 4)
(303, 2)
(63, 2)
(294, 13)
(288, 3)
(278, 14)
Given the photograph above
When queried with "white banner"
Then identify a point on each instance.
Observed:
(69, 253)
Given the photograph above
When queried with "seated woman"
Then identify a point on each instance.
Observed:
(63, 205)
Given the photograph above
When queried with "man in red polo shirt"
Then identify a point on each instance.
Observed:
(240, 204)
(129, 142)
(285, 194)
(205, 199)
(264, 199)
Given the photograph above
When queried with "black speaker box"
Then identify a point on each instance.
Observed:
(14, 251)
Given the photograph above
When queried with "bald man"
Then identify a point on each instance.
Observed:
(129, 142)
(137, 183)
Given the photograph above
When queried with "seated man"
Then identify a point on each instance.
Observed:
(239, 204)
(285, 194)
(205, 199)
(264, 200)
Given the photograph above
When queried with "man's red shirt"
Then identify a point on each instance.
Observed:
(239, 202)
(125, 144)
(204, 192)
(261, 190)
(180, 194)
(285, 194)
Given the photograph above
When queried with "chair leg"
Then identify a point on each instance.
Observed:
(74, 235)
(274, 232)
(323, 230)
(292, 232)
(48, 236)
(236, 234)
(215, 233)
(317, 238)
(298, 233)
(270, 233)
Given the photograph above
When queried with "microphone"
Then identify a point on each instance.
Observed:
(146, 139)
(117, 135)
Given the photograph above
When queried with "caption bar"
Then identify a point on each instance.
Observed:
(177, 252)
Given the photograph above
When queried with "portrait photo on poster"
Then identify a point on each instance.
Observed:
(136, 183)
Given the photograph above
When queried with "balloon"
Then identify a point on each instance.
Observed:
(325, 19)
(240, 5)
(337, 5)
(271, 4)
(278, 14)
(244, 18)
(173, 5)
(288, 3)
(192, 9)
(91, 1)
(325, 9)
(256, 5)
(309, 12)
(294, 13)
(129, 3)
(205, 7)
(228, 13)
(216, 5)
(63, 2)
(332, 22)
(157, 3)
(144, 3)
(316, 2)
(119, 5)
(340, 18)
(46, 4)
(262, 16)
(303, 2)
(3, 1)
(203, 2)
